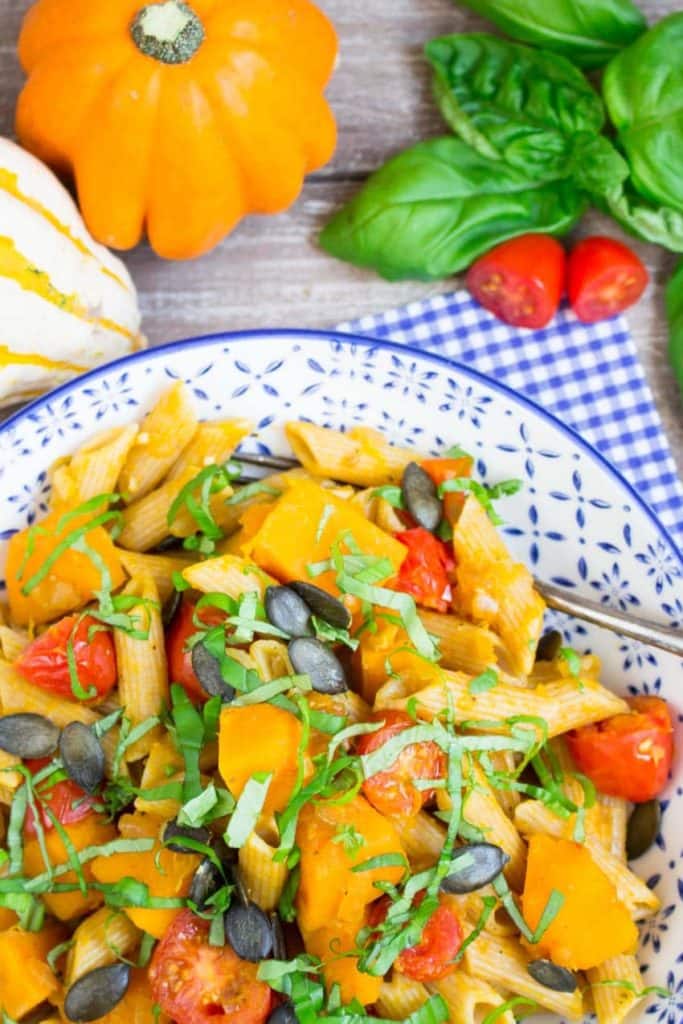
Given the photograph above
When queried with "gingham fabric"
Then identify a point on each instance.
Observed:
(589, 376)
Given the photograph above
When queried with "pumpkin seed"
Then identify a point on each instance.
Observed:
(249, 931)
(550, 975)
(286, 610)
(169, 543)
(82, 755)
(206, 881)
(420, 496)
(322, 604)
(482, 862)
(312, 658)
(28, 735)
(643, 828)
(208, 671)
(279, 944)
(170, 608)
(549, 645)
(175, 833)
(97, 993)
(283, 1014)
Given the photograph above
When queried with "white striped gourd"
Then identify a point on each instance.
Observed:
(66, 303)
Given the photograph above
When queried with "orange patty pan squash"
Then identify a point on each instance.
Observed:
(178, 118)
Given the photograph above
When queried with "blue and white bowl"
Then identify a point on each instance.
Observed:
(576, 521)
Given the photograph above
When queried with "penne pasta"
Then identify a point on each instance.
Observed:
(213, 444)
(145, 521)
(228, 574)
(12, 642)
(96, 466)
(464, 647)
(360, 456)
(143, 679)
(263, 877)
(103, 938)
(159, 567)
(614, 1002)
(271, 659)
(401, 996)
(165, 431)
(503, 963)
(422, 838)
(470, 999)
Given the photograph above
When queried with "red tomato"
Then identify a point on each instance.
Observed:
(195, 983)
(448, 469)
(432, 958)
(179, 657)
(424, 572)
(67, 801)
(393, 792)
(604, 278)
(628, 755)
(521, 281)
(44, 662)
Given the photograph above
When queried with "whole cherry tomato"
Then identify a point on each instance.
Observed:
(604, 278)
(393, 792)
(521, 281)
(630, 754)
(44, 662)
(196, 983)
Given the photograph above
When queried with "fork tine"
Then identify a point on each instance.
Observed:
(281, 462)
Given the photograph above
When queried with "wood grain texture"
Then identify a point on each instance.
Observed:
(270, 272)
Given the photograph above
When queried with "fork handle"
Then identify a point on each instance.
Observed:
(663, 637)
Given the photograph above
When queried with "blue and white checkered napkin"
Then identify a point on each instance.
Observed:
(589, 376)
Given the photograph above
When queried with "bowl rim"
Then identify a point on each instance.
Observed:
(325, 336)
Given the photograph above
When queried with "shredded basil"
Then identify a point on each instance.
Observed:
(350, 838)
(248, 807)
(483, 493)
(195, 498)
(495, 1015)
(383, 860)
(57, 952)
(249, 491)
(392, 494)
(573, 660)
(484, 682)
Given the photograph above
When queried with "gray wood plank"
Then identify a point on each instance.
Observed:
(270, 272)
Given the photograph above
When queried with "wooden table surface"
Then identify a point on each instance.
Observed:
(270, 272)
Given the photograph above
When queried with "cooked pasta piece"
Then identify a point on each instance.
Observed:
(101, 939)
(164, 432)
(502, 962)
(470, 999)
(422, 838)
(400, 996)
(613, 1003)
(463, 646)
(360, 456)
(159, 567)
(271, 659)
(145, 521)
(10, 780)
(491, 587)
(263, 877)
(563, 704)
(12, 642)
(506, 761)
(213, 444)
(143, 679)
(228, 574)
(532, 816)
(95, 468)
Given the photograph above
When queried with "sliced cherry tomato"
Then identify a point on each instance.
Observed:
(179, 657)
(424, 572)
(628, 755)
(432, 958)
(393, 791)
(65, 800)
(44, 662)
(521, 281)
(441, 470)
(195, 983)
(604, 278)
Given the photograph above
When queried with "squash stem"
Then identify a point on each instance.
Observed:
(169, 32)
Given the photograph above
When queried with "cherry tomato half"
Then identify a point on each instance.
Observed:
(449, 469)
(393, 791)
(44, 662)
(628, 755)
(424, 572)
(432, 958)
(521, 281)
(195, 983)
(179, 657)
(604, 277)
(65, 800)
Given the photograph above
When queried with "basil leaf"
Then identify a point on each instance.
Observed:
(653, 222)
(247, 810)
(674, 311)
(643, 90)
(588, 32)
(433, 209)
(484, 682)
(513, 103)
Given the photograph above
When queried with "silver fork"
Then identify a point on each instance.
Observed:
(663, 637)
